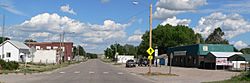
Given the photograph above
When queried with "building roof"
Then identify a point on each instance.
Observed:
(202, 49)
(17, 44)
(224, 54)
(240, 57)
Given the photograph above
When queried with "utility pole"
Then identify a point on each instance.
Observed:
(150, 37)
(3, 37)
(60, 49)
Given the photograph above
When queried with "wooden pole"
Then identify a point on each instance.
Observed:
(150, 38)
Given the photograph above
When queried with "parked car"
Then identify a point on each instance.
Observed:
(143, 62)
(130, 63)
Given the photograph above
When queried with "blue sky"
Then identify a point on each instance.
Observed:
(95, 24)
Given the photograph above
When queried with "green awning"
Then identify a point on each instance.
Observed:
(240, 57)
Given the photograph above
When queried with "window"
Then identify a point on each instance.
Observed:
(48, 47)
(8, 54)
(38, 47)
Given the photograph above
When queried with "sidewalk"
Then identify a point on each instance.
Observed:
(185, 75)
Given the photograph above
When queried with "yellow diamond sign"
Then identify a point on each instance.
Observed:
(150, 51)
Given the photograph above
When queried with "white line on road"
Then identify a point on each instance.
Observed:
(105, 72)
(62, 72)
(91, 72)
(120, 73)
(77, 72)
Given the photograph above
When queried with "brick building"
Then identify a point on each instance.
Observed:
(65, 46)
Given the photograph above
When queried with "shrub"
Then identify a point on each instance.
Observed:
(11, 65)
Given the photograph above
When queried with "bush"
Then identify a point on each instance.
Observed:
(11, 65)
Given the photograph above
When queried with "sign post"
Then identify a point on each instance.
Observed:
(150, 51)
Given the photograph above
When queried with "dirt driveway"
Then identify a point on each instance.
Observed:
(186, 75)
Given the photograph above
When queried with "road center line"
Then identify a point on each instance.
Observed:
(120, 73)
(62, 72)
(105, 72)
(77, 72)
(91, 72)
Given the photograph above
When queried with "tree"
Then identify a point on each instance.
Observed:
(78, 50)
(5, 38)
(245, 50)
(29, 40)
(122, 50)
(168, 36)
(216, 37)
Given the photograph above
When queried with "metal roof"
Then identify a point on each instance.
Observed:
(240, 57)
(224, 54)
(17, 44)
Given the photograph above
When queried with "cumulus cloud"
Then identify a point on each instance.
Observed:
(231, 24)
(39, 34)
(136, 37)
(67, 9)
(174, 22)
(169, 8)
(47, 27)
(240, 44)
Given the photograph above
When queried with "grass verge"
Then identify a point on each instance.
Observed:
(37, 68)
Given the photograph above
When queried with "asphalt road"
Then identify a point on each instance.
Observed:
(92, 71)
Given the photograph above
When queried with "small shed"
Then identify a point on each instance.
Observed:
(241, 61)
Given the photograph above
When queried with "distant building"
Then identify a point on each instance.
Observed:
(195, 55)
(124, 58)
(14, 51)
(66, 48)
(45, 56)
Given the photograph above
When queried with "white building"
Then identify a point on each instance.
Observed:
(14, 51)
(45, 56)
(124, 58)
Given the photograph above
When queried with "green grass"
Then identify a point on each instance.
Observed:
(36, 68)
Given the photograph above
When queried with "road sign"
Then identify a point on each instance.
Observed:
(150, 51)
(150, 57)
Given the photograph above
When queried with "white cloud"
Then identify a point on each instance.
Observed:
(170, 8)
(174, 22)
(66, 8)
(136, 37)
(47, 27)
(39, 34)
(240, 44)
(7, 5)
(232, 24)
(105, 1)
(180, 4)
(135, 2)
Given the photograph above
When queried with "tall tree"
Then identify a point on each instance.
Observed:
(245, 50)
(216, 37)
(168, 36)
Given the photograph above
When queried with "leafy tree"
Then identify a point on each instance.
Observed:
(121, 50)
(216, 37)
(245, 50)
(78, 50)
(168, 36)
(92, 56)
(29, 40)
(5, 38)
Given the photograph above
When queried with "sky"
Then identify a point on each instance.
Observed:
(96, 24)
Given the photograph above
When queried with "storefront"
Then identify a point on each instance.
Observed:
(194, 55)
